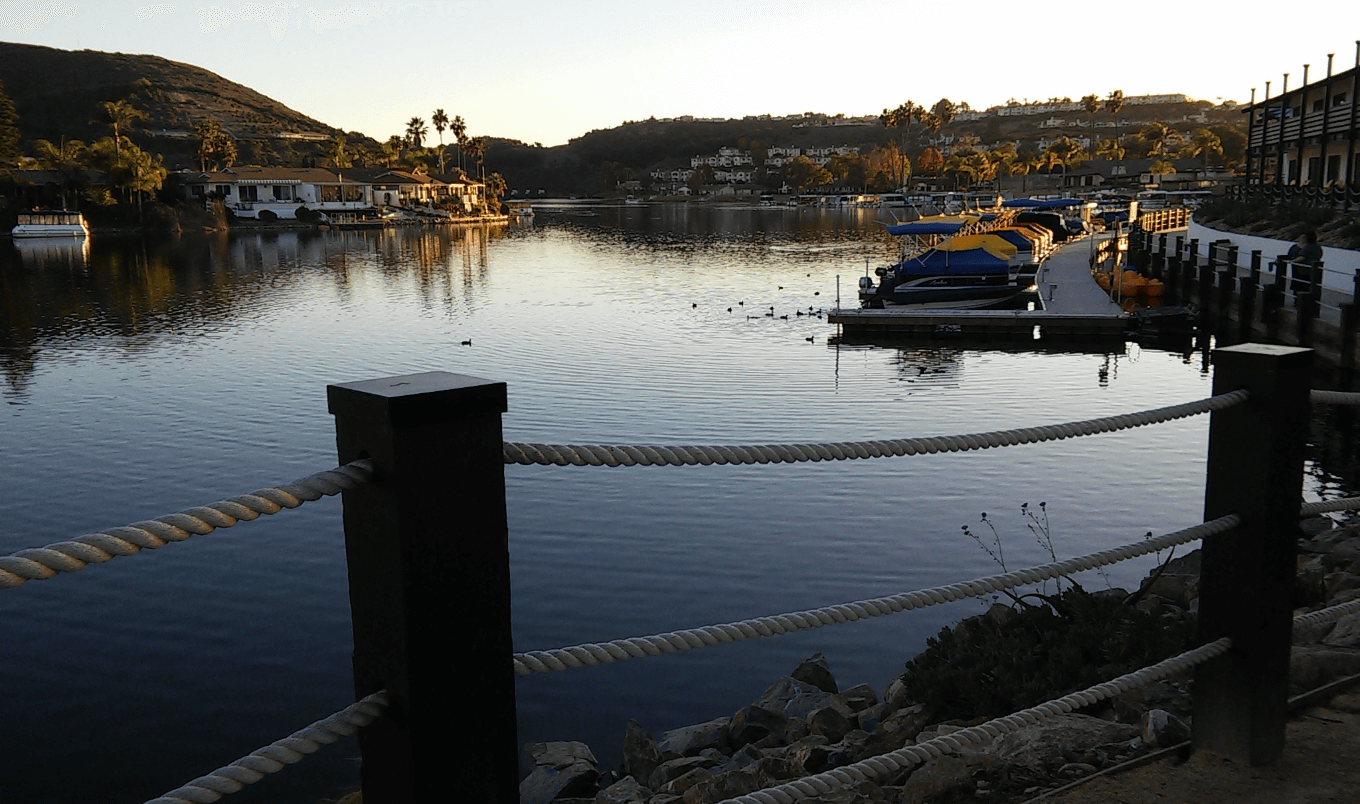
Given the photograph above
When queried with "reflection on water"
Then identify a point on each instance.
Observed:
(150, 376)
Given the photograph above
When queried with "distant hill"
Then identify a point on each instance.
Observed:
(57, 93)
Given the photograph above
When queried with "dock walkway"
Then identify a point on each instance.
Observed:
(1070, 305)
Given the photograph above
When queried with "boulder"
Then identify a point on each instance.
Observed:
(1047, 743)
(1338, 582)
(673, 769)
(895, 695)
(796, 699)
(770, 771)
(625, 791)
(562, 770)
(1345, 633)
(858, 697)
(944, 775)
(681, 784)
(1311, 667)
(1161, 729)
(810, 752)
(690, 740)
(832, 722)
(753, 723)
(722, 787)
(641, 756)
(814, 670)
(899, 728)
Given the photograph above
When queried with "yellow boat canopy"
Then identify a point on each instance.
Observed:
(993, 244)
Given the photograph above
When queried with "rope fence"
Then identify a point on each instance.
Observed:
(912, 755)
(1334, 397)
(41, 563)
(576, 455)
(593, 655)
(277, 755)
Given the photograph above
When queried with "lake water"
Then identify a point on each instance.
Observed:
(140, 378)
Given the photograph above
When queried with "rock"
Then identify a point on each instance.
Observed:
(815, 671)
(559, 754)
(1046, 743)
(1311, 667)
(546, 783)
(641, 756)
(1338, 582)
(1316, 526)
(1346, 633)
(625, 791)
(832, 722)
(1076, 769)
(753, 723)
(681, 784)
(858, 697)
(673, 769)
(690, 740)
(796, 699)
(722, 787)
(1000, 615)
(899, 728)
(1171, 588)
(943, 775)
(1161, 729)
(871, 717)
(770, 771)
(895, 695)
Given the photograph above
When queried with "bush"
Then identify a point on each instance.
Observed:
(307, 215)
(1014, 658)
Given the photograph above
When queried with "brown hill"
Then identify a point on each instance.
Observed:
(57, 93)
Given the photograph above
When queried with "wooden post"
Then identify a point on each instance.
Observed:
(1255, 470)
(1256, 266)
(429, 575)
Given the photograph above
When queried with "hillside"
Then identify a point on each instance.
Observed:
(57, 93)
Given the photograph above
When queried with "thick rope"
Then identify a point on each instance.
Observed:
(41, 563)
(1333, 397)
(1329, 614)
(1327, 506)
(277, 755)
(593, 655)
(912, 755)
(576, 455)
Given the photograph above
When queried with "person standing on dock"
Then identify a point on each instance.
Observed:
(1305, 256)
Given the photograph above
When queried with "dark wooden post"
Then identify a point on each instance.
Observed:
(1256, 266)
(429, 578)
(1255, 470)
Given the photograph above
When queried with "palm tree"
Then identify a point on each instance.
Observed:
(459, 131)
(1203, 144)
(416, 131)
(120, 114)
(1091, 103)
(1110, 149)
(1113, 103)
(1156, 134)
(901, 118)
(476, 148)
(336, 149)
(441, 122)
(66, 159)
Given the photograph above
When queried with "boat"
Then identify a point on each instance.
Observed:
(959, 262)
(51, 223)
(946, 279)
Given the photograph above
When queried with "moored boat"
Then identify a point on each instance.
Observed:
(51, 223)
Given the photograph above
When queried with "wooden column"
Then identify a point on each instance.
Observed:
(1255, 470)
(429, 575)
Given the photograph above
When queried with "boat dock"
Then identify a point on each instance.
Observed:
(1070, 305)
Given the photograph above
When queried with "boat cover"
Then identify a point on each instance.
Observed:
(993, 243)
(1016, 238)
(973, 261)
(925, 227)
(1052, 203)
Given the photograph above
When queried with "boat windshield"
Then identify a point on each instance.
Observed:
(49, 218)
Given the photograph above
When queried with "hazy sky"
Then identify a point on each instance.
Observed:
(546, 71)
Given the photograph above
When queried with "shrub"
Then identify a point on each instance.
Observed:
(1014, 658)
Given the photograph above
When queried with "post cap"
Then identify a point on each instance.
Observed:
(411, 400)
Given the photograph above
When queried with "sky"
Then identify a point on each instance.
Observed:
(549, 70)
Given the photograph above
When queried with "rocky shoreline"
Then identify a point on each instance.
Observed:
(805, 723)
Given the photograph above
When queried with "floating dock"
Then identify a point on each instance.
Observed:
(1069, 305)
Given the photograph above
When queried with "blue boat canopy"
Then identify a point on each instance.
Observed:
(972, 261)
(925, 228)
(1034, 203)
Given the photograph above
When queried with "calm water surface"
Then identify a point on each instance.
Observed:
(142, 378)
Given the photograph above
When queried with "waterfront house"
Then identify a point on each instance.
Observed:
(1306, 138)
(276, 193)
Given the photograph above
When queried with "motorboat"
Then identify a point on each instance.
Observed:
(946, 279)
(51, 223)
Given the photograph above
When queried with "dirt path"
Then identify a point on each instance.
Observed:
(1321, 764)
